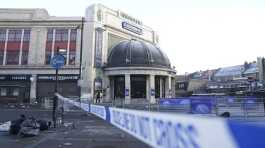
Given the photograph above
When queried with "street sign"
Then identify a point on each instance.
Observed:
(57, 61)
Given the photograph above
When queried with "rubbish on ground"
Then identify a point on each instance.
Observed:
(30, 127)
(44, 125)
(26, 127)
(16, 125)
(5, 126)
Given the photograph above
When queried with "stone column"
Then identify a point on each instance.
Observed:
(5, 50)
(147, 88)
(107, 97)
(33, 88)
(68, 47)
(78, 47)
(161, 87)
(152, 88)
(173, 89)
(112, 89)
(127, 89)
(21, 46)
(168, 87)
(38, 37)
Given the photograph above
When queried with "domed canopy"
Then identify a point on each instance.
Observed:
(137, 53)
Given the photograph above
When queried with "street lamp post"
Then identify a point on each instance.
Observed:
(81, 53)
(57, 62)
(55, 100)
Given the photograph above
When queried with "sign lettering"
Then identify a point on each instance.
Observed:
(132, 28)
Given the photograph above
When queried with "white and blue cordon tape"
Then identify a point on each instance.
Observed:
(163, 130)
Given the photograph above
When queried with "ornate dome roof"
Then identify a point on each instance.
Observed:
(136, 53)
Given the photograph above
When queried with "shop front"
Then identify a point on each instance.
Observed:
(14, 88)
(67, 85)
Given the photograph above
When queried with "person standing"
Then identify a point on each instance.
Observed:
(98, 97)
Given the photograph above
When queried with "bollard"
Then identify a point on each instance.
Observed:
(62, 112)
(55, 100)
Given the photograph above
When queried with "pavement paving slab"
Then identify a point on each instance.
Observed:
(88, 131)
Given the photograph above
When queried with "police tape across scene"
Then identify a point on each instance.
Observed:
(163, 130)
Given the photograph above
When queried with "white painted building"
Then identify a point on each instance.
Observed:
(32, 36)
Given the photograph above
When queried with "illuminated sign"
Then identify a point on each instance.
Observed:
(132, 28)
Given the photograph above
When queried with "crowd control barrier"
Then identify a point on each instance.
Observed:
(164, 130)
(238, 107)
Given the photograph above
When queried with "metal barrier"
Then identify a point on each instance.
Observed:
(243, 108)
(250, 109)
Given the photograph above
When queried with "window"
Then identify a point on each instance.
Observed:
(181, 85)
(50, 35)
(98, 48)
(61, 35)
(24, 58)
(48, 49)
(2, 35)
(15, 92)
(25, 48)
(14, 35)
(73, 35)
(71, 58)
(3, 92)
(26, 35)
(1, 57)
(48, 57)
(72, 48)
(12, 57)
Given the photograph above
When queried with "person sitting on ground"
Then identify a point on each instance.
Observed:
(16, 125)
(29, 128)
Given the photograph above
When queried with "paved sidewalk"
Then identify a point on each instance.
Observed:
(89, 131)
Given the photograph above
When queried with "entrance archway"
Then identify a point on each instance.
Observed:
(138, 86)
(119, 87)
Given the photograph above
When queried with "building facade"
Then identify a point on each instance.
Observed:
(104, 30)
(233, 80)
(29, 39)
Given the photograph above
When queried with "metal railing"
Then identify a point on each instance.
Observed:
(237, 108)
(241, 108)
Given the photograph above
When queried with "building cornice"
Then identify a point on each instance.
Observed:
(22, 67)
(139, 70)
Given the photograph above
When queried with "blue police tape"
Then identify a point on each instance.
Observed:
(85, 107)
(173, 131)
(163, 130)
(99, 111)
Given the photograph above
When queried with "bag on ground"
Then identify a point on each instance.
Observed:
(30, 127)
(16, 125)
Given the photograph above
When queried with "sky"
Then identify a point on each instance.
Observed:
(195, 34)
